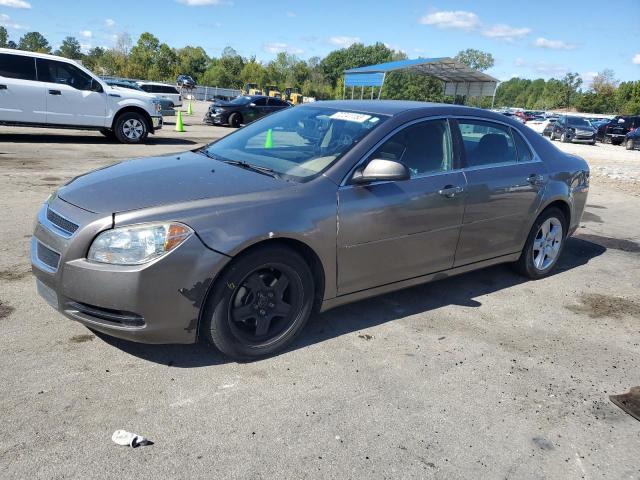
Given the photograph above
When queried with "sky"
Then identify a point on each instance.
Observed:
(528, 39)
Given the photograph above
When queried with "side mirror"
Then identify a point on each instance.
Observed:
(380, 170)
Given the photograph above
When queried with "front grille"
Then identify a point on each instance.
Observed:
(120, 317)
(48, 256)
(61, 222)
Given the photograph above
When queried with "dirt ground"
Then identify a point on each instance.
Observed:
(485, 375)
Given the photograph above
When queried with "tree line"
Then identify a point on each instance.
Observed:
(322, 78)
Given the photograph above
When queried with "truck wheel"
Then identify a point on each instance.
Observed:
(131, 127)
(235, 119)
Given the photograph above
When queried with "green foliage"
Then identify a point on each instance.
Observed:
(70, 48)
(475, 59)
(4, 37)
(34, 42)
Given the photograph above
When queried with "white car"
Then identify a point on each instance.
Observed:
(50, 91)
(163, 90)
(537, 124)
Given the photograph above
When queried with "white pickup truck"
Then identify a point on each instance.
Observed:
(49, 91)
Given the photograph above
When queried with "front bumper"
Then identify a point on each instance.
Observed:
(158, 302)
(156, 122)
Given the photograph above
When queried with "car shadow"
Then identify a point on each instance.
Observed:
(459, 290)
(97, 139)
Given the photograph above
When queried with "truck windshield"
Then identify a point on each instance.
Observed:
(296, 143)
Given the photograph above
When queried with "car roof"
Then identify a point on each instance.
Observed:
(143, 82)
(25, 53)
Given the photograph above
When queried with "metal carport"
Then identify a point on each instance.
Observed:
(458, 79)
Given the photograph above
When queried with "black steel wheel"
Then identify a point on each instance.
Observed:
(260, 303)
(235, 120)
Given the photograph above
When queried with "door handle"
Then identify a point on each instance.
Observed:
(55, 92)
(450, 191)
(535, 179)
(3, 87)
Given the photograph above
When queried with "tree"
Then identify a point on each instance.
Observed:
(123, 43)
(34, 42)
(357, 55)
(475, 59)
(4, 37)
(570, 83)
(143, 56)
(70, 48)
(165, 64)
(192, 61)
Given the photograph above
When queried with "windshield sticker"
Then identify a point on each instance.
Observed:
(350, 117)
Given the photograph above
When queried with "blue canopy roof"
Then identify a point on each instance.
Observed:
(457, 77)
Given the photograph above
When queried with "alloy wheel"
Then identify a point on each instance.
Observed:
(547, 244)
(133, 128)
(265, 305)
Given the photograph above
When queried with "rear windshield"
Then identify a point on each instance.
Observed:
(577, 122)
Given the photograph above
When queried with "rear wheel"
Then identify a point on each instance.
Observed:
(235, 119)
(131, 127)
(544, 244)
(260, 304)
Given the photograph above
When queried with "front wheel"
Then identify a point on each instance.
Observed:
(563, 138)
(629, 144)
(551, 136)
(544, 245)
(259, 304)
(235, 119)
(131, 127)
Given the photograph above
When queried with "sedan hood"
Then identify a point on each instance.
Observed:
(163, 180)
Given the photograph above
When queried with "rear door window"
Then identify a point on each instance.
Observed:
(522, 149)
(487, 143)
(63, 73)
(17, 66)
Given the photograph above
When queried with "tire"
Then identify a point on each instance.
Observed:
(563, 137)
(531, 264)
(616, 142)
(108, 133)
(606, 140)
(131, 127)
(235, 119)
(251, 296)
(629, 144)
(551, 136)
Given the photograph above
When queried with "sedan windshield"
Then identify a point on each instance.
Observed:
(578, 122)
(296, 143)
(240, 100)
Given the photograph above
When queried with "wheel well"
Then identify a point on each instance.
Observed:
(563, 207)
(142, 111)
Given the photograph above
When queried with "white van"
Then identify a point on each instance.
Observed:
(162, 90)
(50, 91)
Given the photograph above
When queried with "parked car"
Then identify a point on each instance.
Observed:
(185, 81)
(598, 122)
(546, 132)
(632, 139)
(243, 109)
(238, 242)
(162, 90)
(537, 124)
(56, 92)
(573, 129)
(616, 130)
(166, 105)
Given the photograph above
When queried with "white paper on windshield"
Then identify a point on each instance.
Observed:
(351, 117)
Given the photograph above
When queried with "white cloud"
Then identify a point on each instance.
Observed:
(505, 32)
(291, 14)
(278, 47)
(86, 33)
(5, 21)
(550, 69)
(15, 4)
(343, 41)
(636, 59)
(109, 22)
(458, 19)
(553, 44)
(202, 3)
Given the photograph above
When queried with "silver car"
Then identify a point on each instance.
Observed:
(240, 241)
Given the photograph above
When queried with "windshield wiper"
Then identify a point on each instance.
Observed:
(239, 163)
(256, 168)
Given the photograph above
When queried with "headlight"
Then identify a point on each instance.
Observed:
(137, 244)
(157, 105)
(218, 110)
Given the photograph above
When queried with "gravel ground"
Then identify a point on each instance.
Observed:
(481, 376)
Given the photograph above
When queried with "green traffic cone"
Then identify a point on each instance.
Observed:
(179, 124)
(189, 109)
(268, 141)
